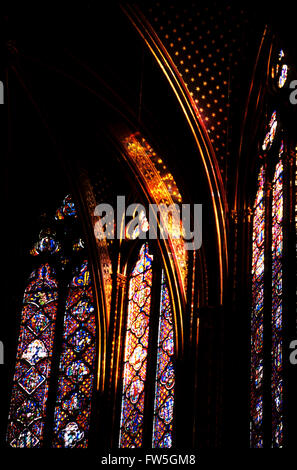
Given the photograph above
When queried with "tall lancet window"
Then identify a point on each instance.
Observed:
(272, 283)
(257, 320)
(57, 309)
(277, 307)
(33, 362)
(76, 370)
(146, 338)
(267, 382)
(165, 376)
(136, 350)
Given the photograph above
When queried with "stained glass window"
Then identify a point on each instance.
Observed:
(74, 385)
(257, 316)
(139, 340)
(277, 320)
(76, 372)
(269, 138)
(33, 364)
(165, 376)
(276, 315)
(283, 76)
(46, 243)
(136, 349)
(279, 70)
(67, 209)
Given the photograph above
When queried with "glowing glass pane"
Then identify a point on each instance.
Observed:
(33, 362)
(77, 365)
(283, 76)
(269, 138)
(78, 245)
(276, 320)
(165, 377)
(142, 226)
(257, 315)
(136, 348)
(45, 244)
(67, 209)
